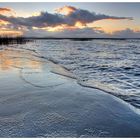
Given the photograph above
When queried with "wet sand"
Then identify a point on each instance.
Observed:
(36, 101)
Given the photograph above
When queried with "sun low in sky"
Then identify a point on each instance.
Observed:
(95, 20)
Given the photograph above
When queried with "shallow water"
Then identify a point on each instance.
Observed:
(110, 65)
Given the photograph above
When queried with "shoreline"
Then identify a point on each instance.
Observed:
(59, 106)
(37, 102)
(61, 70)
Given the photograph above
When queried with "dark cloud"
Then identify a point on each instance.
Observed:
(47, 19)
(85, 16)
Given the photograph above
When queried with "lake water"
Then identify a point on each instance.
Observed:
(109, 65)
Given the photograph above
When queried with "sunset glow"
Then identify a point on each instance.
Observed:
(11, 33)
(66, 10)
(63, 19)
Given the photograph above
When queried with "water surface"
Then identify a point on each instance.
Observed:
(109, 65)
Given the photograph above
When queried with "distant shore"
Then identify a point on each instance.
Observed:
(5, 40)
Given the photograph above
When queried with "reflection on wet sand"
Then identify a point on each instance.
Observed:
(10, 58)
(28, 67)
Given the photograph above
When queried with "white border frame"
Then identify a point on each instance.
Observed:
(131, 1)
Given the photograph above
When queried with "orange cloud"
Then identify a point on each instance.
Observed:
(2, 22)
(5, 10)
(66, 10)
(80, 25)
(8, 32)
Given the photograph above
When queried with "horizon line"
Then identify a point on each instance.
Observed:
(84, 38)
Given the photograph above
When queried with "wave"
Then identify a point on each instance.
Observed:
(103, 65)
(61, 70)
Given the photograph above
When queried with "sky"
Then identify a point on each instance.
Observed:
(97, 20)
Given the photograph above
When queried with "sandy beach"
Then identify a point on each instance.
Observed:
(37, 102)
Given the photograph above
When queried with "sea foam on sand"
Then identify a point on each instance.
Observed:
(36, 102)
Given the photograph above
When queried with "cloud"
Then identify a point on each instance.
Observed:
(129, 33)
(48, 19)
(86, 32)
(4, 11)
(85, 16)
(68, 21)
(42, 20)
(66, 10)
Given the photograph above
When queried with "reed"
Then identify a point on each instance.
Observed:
(13, 40)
